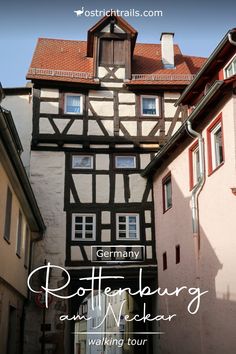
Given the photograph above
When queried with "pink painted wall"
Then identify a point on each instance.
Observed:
(212, 329)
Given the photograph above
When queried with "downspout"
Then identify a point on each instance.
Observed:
(195, 214)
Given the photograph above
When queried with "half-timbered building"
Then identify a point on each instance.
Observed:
(101, 110)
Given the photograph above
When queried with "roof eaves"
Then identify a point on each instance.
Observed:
(204, 67)
(151, 167)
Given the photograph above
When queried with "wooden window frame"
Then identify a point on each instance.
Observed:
(211, 130)
(158, 106)
(8, 215)
(66, 94)
(231, 61)
(126, 231)
(165, 180)
(83, 238)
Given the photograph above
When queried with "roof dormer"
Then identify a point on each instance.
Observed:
(111, 44)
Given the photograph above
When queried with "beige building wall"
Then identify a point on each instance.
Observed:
(212, 329)
(13, 272)
(21, 109)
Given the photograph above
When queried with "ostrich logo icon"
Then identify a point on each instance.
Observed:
(79, 12)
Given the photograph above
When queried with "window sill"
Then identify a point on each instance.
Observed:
(216, 169)
(8, 241)
(166, 210)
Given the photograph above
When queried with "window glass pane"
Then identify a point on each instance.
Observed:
(168, 194)
(73, 104)
(121, 234)
(19, 234)
(218, 147)
(132, 235)
(122, 218)
(7, 226)
(78, 234)
(125, 162)
(149, 105)
(132, 219)
(81, 161)
(79, 219)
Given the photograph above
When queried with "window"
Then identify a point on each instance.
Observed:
(83, 227)
(177, 254)
(150, 105)
(215, 144)
(125, 161)
(230, 70)
(19, 234)
(194, 164)
(111, 52)
(73, 103)
(27, 246)
(164, 260)
(7, 226)
(82, 161)
(167, 192)
(127, 226)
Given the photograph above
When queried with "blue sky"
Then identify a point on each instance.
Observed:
(198, 26)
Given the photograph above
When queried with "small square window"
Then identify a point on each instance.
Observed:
(167, 193)
(83, 227)
(150, 105)
(73, 103)
(127, 226)
(82, 162)
(215, 144)
(125, 161)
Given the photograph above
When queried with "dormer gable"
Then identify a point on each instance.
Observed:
(111, 43)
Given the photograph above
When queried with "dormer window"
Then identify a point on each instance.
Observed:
(111, 52)
(230, 70)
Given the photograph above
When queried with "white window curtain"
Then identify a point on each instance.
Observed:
(73, 104)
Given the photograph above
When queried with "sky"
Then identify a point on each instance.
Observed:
(198, 26)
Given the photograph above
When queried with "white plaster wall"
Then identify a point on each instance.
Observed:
(102, 162)
(131, 127)
(45, 127)
(102, 189)
(169, 109)
(49, 93)
(126, 97)
(76, 128)
(147, 127)
(83, 185)
(144, 160)
(137, 187)
(21, 109)
(103, 108)
(101, 94)
(47, 179)
(120, 73)
(126, 110)
(49, 107)
(119, 191)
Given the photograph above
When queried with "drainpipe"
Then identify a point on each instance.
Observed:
(230, 39)
(195, 213)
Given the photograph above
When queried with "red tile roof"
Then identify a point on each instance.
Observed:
(66, 60)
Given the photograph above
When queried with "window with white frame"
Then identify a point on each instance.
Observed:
(127, 226)
(217, 146)
(73, 103)
(82, 161)
(167, 192)
(150, 106)
(125, 161)
(83, 227)
(230, 70)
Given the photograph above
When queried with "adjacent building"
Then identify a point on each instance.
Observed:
(195, 173)
(21, 226)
